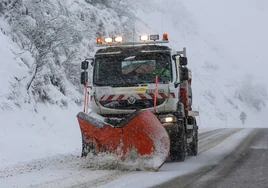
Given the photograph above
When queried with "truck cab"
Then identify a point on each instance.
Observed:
(130, 77)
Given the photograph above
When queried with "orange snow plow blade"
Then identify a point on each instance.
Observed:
(140, 132)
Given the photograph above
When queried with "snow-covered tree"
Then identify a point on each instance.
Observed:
(59, 37)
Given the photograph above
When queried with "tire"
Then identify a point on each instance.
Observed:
(178, 144)
(193, 146)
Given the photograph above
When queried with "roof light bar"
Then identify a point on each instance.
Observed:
(133, 43)
(144, 39)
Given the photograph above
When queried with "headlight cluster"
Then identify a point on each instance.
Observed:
(168, 119)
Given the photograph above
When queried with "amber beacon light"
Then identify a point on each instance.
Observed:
(99, 40)
(165, 36)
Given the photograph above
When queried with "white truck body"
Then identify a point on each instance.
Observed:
(114, 100)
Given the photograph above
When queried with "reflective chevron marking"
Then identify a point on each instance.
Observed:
(116, 97)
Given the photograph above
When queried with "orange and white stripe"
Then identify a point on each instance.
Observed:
(116, 97)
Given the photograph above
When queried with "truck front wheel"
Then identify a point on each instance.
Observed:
(193, 146)
(178, 144)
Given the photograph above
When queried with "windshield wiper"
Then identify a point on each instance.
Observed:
(122, 84)
(126, 84)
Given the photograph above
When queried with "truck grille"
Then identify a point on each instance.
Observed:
(124, 104)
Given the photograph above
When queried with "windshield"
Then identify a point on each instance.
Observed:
(118, 70)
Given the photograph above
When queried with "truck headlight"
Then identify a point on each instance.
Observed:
(168, 119)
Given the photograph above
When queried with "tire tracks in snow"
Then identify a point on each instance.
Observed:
(206, 134)
(207, 141)
(37, 165)
(217, 175)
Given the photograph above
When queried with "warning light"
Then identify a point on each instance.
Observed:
(118, 39)
(99, 40)
(165, 36)
(144, 37)
(108, 40)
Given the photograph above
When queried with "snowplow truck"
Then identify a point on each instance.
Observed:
(140, 97)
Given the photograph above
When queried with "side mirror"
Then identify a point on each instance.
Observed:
(184, 74)
(183, 60)
(84, 65)
(84, 77)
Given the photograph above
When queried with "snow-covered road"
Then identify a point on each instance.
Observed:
(246, 166)
(72, 171)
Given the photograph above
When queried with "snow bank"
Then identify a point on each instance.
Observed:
(27, 135)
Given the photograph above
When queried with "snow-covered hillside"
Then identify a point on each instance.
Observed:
(43, 42)
(42, 45)
(27, 129)
(226, 64)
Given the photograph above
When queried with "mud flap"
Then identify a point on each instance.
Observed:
(139, 135)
